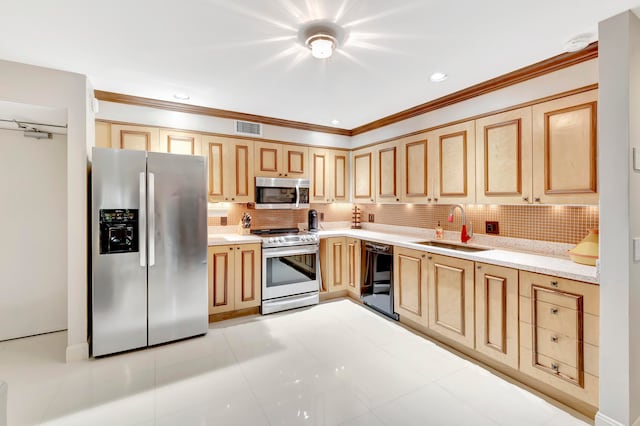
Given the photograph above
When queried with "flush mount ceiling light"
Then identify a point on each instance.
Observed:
(437, 77)
(321, 37)
(577, 43)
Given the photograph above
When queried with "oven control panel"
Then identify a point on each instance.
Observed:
(290, 240)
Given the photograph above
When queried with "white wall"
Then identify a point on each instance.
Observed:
(42, 86)
(179, 120)
(580, 75)
(33, 255)
(618, 133)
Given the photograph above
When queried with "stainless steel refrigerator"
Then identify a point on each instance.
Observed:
(149, 249)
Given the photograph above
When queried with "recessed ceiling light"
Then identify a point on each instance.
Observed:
(437, 77)
(335, 122)
(182, 96)
(577, 43)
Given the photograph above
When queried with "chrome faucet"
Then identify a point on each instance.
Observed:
(464, 235)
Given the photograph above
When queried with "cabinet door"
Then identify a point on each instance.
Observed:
(336, 254)
(221, 279)
(176, 142)
(363, 166)
(295, 161)
(268, 159)
(339, 176)
(454, 180)
(388, 173)
(497, 313)
(135, 137)
(415, 164)
(240, 182)
(564, 150)
(451, 298)
(503, 158)
(103, 134)
(320, 173)
(410, 284)
(353, 262)
(247, 276)
(217, 152)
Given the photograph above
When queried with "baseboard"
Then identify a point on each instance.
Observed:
(604, 420)
(78, 352)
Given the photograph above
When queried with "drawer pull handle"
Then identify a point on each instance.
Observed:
(554, 311)
(555, 367)
(554, 339)
(554, 284)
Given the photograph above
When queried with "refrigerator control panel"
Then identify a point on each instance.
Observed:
(119, 231)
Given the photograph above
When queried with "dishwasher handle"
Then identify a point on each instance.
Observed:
(378, 248)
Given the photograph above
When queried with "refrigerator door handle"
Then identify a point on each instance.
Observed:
(143, 220)
(152, 220)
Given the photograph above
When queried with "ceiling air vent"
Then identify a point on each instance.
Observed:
(248, 129)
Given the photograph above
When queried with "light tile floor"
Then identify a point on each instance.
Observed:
(333, 364)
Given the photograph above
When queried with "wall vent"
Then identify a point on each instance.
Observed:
(248, 128)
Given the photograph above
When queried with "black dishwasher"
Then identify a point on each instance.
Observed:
(377, 288)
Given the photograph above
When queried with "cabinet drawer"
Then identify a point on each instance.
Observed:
(558, 346)
(589, 292)
(557, 318)
(559, 369)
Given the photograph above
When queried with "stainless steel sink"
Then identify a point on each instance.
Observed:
(451, 246)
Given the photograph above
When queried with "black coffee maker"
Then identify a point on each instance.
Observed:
(312, 224)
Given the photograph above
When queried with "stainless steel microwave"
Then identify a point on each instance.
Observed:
(282, 193)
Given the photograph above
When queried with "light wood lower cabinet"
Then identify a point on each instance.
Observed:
(410, 284)
(340, 264)
(559, 336)
(451, 301)
(234, 277)
(497, 313)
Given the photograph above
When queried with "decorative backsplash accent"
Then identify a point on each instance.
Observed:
(562, 224)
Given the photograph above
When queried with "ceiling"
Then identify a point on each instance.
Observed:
(245, 56)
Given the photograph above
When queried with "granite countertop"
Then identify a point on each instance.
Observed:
(518, 259)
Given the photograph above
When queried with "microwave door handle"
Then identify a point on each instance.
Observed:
(297, 196)
(143, 220)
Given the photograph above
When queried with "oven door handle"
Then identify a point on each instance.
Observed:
(291, 252)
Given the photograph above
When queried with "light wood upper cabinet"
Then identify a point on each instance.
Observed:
(417, 183)
(280, 160)
(364, 163)
(497, 313)
(135, 137)
(103, 134)
(388, 173)
(234, 277)
(451, 301)
(410, 284)
(564, 150)
(454, 157)
(176, 142)
(329, 175)
(231, 177)
(503, 158)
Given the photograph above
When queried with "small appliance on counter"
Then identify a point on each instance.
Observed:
(312, 223)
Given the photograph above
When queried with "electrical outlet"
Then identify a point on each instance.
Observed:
(321, 215)
(371, 217)
(492, 227)
(223, 221)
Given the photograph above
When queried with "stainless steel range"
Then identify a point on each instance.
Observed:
(290, 269)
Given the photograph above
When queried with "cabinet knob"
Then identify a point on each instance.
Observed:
(479, 267)
(525, 199)
(333, 201)
(423, 256)
(555, 367)
(429, 199)
(554, 284)
(230, 248)
(233, 199)
(372, 199)
(554, 311)
(554, 339)
(430, 257)
(279, 174)
(435, 200)
(286, 174)
(537, 199)
(237, 248)
(397, 199)
(226, 198)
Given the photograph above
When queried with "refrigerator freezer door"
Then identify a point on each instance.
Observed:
(178, 246)
(119, 280)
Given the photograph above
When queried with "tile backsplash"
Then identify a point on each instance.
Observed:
(562, 224)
